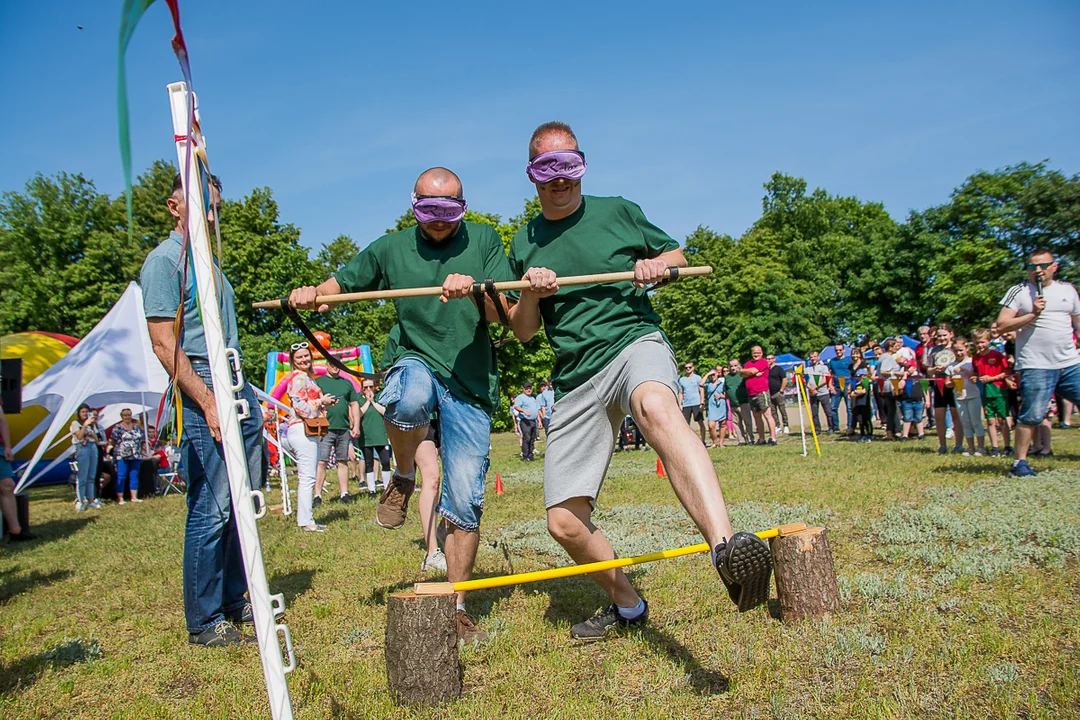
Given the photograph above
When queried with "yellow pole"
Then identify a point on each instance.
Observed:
(520, 578)
(806, 399)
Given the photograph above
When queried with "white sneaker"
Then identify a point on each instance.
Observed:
(122, 502)
(434, 561)
(786, 431)
(95, 504)
(80, 507)
(949, 433)
(135, 499)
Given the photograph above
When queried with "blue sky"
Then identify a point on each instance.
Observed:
(685, 108)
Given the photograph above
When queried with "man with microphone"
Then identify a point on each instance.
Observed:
(1045, 315)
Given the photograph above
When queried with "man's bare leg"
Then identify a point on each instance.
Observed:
(343, 477)
(1023, 440)
(689, 467)
(427, 462)
(570, 523)
(405, 443)
(461, 548)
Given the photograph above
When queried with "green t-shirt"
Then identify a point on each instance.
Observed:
(736, 390)
(450, 337)
(338, 413)
(393, 340)
(589, 325)
(372, 428)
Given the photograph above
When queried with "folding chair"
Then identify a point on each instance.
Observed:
(172, 479)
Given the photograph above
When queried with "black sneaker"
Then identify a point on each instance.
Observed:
(223, 634)
(1008, 451)
(346, 498)
(316, 501)
(606, 620)
(942, 450)
(242, 615)
(24, 536)
(958, 450)
(745, 566)
(994, 452)
(770, 441)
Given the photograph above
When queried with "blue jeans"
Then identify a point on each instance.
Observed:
(1038, 386)
(86, 456)
(836, 400)
(214, 578)
(411, 394)
(128, 470)
(912, 410)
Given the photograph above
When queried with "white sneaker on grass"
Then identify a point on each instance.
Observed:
(436, 561)
(80, 507)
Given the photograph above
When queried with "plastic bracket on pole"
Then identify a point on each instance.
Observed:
(284, 629)
(261, 512)
(277, 603)
(234, 364)
(243, 410)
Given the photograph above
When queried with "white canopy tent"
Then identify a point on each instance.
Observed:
(113, 364)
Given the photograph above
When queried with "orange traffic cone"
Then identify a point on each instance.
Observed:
(660, 469)
(498, 484)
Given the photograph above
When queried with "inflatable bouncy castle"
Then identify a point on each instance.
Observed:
(278, 370)
(39, 351)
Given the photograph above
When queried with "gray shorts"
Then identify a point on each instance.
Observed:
(586, 421)
(337, 439)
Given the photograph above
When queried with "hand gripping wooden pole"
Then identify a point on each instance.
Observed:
(571, 570)
(569, 281)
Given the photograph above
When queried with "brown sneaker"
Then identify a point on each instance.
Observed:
(394, 503)
(467, 630)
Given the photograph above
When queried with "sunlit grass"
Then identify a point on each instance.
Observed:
(959, 590)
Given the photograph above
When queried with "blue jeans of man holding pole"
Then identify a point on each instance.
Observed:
(214, 578)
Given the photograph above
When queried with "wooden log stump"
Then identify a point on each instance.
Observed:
(422, 664)
(805, 575)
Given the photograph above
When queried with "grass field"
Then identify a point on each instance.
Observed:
(959, 584)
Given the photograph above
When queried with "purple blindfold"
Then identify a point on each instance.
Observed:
(429, 209)
(565, 164)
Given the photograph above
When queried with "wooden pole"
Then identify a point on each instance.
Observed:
(422, 663)
(805, 575)
(569, 281)
(570, 570)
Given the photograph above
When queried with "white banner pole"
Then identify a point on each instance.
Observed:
(228, 381)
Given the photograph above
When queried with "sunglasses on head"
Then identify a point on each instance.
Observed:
(299, 346)
(1039, 266)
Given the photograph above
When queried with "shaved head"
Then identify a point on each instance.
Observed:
(438, 181)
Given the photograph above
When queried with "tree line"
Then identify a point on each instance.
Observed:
(812, 269)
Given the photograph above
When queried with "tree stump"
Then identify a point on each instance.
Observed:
(422, 664)
(805, 575)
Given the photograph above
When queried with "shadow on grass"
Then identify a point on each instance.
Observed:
(702, 680)
(994, 467)
(25, 672)
(12, 584)
(292, 584)
(50, 531)
(334, 516)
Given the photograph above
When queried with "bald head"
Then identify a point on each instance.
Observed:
(438, 181)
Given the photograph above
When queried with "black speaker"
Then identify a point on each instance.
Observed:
(11, 385)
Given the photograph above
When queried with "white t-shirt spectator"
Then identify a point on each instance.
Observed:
(888, 364)
(1045, 343)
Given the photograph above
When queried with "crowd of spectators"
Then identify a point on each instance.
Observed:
(1004, 380)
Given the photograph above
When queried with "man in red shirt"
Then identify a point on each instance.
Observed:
(991, 367)
(756, 372)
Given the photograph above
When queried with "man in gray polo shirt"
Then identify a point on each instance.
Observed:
(214, 579)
